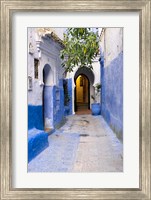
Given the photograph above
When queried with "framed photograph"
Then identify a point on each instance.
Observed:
(26, 29)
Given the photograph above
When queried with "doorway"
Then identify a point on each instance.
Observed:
(82, 93)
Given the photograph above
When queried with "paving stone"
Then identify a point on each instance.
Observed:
(84, 144)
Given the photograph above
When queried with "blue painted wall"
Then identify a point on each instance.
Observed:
(102, 74)
(35, 117)
(70, 95)
(37, 142)
(54, 103)
(68, 91)
(53, 109)
(58, 104)
(37, 138)
(112, 94)
(48, 99)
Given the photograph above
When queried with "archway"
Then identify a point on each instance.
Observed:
(47, 75)
(82, 93)
(47, 98)
(84, 79)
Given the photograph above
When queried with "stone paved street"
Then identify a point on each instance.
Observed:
(84, 143)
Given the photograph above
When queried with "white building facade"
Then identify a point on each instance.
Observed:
(45, 74)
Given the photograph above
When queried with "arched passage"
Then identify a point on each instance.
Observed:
(82, 94)
(47, 75)
(84, 79)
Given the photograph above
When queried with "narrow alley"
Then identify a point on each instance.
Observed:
(75, 82)
(85, 143)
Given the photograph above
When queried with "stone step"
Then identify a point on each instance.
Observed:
(37, 142)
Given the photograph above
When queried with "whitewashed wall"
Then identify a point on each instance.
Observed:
(113, 43)
(47, 52)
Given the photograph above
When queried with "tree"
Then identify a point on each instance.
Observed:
(81, 47)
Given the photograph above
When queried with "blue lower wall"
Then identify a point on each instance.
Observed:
(112, 94)
(35, 117)
(37, 138)
(70, 95)
(68, 90)
(54, 104)
(58, 105)
(37, 142)
(48, 99)
(53, 107)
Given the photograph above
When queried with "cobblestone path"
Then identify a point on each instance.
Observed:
(84, 144)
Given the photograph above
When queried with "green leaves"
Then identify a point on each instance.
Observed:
(81, 47)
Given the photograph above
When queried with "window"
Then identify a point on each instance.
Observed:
(36, 64)
(30, 83)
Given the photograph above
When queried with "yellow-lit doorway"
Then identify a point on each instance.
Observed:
(82, 93)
